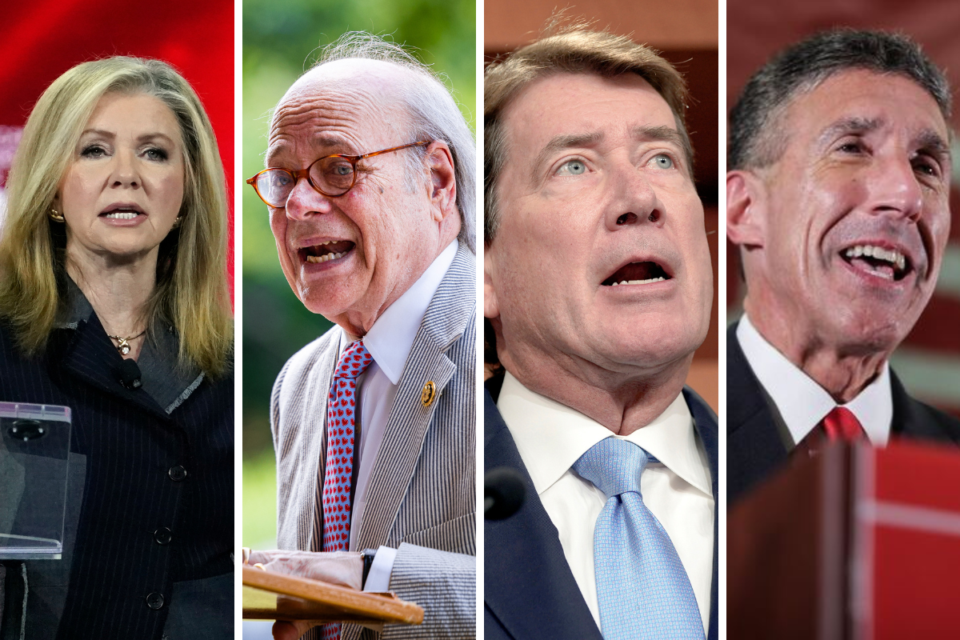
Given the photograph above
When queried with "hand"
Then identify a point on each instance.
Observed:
(342, 568)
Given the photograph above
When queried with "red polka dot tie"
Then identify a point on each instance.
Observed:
(341, 408)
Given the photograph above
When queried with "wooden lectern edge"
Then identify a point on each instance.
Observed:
(355, 604)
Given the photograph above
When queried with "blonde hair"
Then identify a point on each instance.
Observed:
(191, 289)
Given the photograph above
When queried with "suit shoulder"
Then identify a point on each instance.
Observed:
(300, 373)
(948, 424)
(304, 362)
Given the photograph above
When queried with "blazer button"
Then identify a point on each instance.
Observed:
(163, 535)
(177, 473)
(155, 601)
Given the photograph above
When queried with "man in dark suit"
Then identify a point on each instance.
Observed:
(838, 197)
(597, 291)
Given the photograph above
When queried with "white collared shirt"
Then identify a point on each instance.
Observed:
(551, 437)
(801, 402)
(389, 341)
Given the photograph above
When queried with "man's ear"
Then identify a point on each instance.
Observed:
(491, 308)
(746, 209)
(443, 180)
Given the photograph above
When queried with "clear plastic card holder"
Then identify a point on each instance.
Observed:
(34, 465)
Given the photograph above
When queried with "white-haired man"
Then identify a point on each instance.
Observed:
(371, 192)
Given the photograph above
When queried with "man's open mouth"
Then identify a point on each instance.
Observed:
(886, 263)
(326, 251)
(637, 273)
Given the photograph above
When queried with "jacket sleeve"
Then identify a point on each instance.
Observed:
(444, 584)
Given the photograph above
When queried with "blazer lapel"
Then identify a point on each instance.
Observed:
(91, 357)
(705, 421)
(754, 447)
(315, 444)
(914, 420)
(528, 585)
(450, 309)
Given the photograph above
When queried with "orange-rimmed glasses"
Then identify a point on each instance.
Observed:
(333, 176)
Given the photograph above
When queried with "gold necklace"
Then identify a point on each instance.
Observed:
(123, 344)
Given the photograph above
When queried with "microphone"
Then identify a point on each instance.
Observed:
(130, 374)
(503, 493)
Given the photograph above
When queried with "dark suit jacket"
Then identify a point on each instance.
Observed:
(529, 590)
(126, 484)
(754, 446)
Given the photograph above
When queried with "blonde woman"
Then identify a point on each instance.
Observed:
(114, 302)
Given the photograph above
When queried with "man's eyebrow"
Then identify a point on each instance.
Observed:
(929, 141)
(323, 141)
(932, 143)
(848, 126)
(659, 134)
(559, 143)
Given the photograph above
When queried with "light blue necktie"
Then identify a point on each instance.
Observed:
(642, 587)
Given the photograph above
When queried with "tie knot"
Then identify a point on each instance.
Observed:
(841, 424)
(353, 361)
(613, 466)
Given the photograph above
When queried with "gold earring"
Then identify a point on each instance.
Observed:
(55, 215)
(176, 223)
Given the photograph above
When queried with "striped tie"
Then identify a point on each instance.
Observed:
(642, 588)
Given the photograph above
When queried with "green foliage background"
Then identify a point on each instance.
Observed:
(281, 39)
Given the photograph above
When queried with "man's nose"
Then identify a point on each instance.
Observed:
(305, 201)
(895, 188)
(635, 200)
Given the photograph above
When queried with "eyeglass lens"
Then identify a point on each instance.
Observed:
(333, 176)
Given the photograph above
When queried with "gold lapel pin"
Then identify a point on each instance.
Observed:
(429, 393)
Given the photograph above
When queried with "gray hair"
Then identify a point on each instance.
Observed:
(756, 141)
(433, 112)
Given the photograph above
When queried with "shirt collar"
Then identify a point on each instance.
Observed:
(391, 337)
(163, 377)
(76, 310)
(803, 403)
(551, 437)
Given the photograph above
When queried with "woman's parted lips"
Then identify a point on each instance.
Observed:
(122, 210)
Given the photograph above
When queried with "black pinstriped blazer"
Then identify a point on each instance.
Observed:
(122, 574)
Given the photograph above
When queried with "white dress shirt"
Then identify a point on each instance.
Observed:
(551, 437)
(389, 342)
(801, 402)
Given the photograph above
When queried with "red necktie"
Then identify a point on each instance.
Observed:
(841, 425)
(341, 409)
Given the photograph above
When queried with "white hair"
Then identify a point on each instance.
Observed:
(433, 112)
